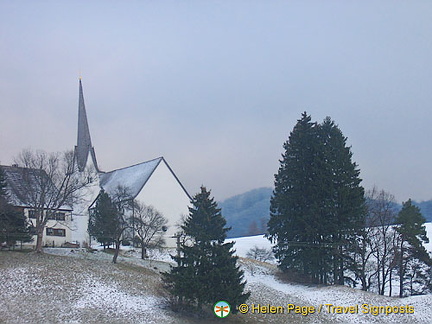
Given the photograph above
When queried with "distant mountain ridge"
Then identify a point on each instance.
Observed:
(248, 213)
(426, 209)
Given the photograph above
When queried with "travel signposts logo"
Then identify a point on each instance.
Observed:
(222, 309)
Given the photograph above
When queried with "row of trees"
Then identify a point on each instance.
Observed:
(390, 246)
(120, 218)
(323, 227)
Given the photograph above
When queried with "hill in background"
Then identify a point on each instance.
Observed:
(248, 213)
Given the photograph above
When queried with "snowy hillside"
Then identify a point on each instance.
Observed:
(356, 306)
(244, 244)
(75, 286)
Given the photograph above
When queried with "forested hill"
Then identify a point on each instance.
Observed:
(426, 209)
(248, 213)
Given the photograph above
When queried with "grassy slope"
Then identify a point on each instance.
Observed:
(60, 289)
(88, 288)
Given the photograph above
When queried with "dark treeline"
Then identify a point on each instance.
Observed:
(327, 230)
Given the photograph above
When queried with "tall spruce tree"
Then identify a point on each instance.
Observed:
(343, 204)
(292, 225)
(206, 270)
(317, 204)
(412, 235)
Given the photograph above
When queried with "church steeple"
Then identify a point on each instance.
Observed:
(84, 144)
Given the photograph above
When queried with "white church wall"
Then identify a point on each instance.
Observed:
(163, 192)
(80, 214)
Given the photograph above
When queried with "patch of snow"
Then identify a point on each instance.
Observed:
(98, 295)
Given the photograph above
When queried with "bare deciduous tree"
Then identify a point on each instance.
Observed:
(50, 182)
(362, 260)
(382, 238)
(149, 226)
(124, 202)
(260, 254)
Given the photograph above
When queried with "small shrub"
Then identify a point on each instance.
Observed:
(260, 254)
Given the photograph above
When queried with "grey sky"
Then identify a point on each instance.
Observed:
(216, 86)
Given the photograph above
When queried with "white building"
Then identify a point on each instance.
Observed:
(58, 230)
(152, 183)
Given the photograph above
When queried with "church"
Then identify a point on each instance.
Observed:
(152, 183)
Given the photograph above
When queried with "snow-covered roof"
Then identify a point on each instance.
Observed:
(25, 185)
(133, 178)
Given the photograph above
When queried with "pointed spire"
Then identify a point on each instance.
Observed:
(84, 145)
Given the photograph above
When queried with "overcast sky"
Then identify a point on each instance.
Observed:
(216, 86)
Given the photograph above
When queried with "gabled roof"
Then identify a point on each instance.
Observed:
(132, 178)
(19, 180)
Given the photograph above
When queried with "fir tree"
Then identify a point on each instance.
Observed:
(107, 222)
(412, 235)
(317, 204)
(343, 203)
(103, 219)
(206, 270)
(291, 205)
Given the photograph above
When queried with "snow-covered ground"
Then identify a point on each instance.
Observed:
(78, 289)
(261, 277)
(244, 244)
(77, 286)
(428, 246)
(359, 305)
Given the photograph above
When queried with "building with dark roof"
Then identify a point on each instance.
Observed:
(24, 186)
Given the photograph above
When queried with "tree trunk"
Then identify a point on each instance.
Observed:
(39, 240)
(411, 285)
(390, 283)
(401, 270)
(341, 267)
(143, 251)
(116, 252)
(379, 274)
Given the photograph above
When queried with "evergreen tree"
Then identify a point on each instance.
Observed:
(343, 204)
(103, 219)
(317, 204)
(206, 270)
(291, 225)
(412, 235)
(107, 221)
(14, 226)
